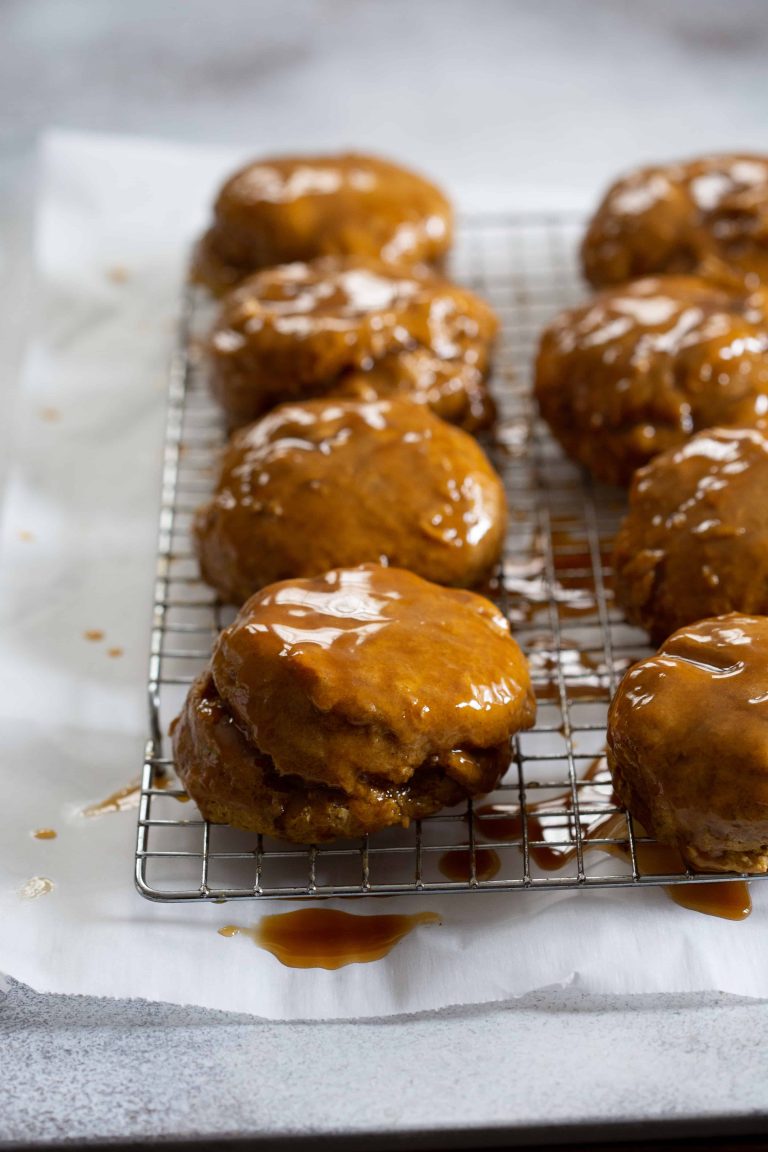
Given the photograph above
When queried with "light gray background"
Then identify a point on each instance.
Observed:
(555, 93)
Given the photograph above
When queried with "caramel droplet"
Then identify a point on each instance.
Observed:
(45, 834)
(114, 652)
(93, 634)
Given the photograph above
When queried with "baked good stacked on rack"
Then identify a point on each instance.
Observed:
(661, 381)
(361, 685)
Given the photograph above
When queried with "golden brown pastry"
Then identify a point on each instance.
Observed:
(335, 483)
(639, 369)
(695, 540)
(688, 743)
(351, 327)
(708, 216)
(288, 208)
(346, 703)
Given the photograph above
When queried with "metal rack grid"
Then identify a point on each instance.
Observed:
(553, 822)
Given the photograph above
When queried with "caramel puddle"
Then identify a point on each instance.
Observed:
(327, 938)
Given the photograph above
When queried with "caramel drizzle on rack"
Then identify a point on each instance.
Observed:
(550, 820)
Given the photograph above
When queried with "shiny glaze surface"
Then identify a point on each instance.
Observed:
(695, 540)
(708, 216)
(331, 483)
(688, 743)
(384, 694)
(639, 369)
(328, 938)
(353, 327)
(288, 208)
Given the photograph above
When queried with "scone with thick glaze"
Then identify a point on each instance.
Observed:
(346, 326)
(695, 540)
(350, 702)
(336, 483)
(688, 743)
(287, 208)
(638, 369)
(708, 216)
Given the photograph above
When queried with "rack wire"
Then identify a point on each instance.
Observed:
(553, 823)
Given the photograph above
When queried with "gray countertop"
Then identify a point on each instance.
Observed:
(548, 93)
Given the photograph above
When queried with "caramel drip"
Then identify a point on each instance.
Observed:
(126, 798)
(552, 820)
(45, 834)
(456, 864)
(326, 938)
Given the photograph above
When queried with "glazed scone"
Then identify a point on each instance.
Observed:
(688, 743)
(351, 327)
(640, 368)
(287, 208)
(336, 483)
(695, 540)
(708, 216)
(346, 703)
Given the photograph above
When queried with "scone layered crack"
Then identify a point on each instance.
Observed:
(353, 327)
(335, 483)
(373, 695)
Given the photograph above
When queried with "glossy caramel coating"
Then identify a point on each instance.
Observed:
(688, 743)
(706, 216)
(638, 369)
(376, 696)
(336, 483)
(288, 208)
(695, 540)
(351, 327)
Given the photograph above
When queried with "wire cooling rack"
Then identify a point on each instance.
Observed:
(553, 823)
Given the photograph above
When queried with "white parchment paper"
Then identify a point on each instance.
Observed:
(115, 222)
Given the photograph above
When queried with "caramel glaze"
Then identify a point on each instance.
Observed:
(695, 540)
(330, 483)
(552, 820)
(708, 216)
(327, 938)
(352, 327)
(688, 743)
(639, 369)
(288, 208)
(350, 702)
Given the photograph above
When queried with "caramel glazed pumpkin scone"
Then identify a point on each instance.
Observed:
(336, 483)
(287, 208)
(346, 326)
(346, 703)
(638, 369)
(708, 216)
(688, 743)
(694, 542)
